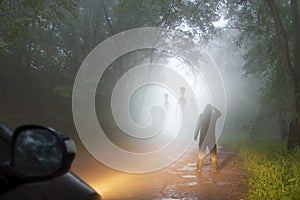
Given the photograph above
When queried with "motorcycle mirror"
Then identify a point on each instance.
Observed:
(40, 153)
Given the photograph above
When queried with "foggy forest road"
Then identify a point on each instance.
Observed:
(182, 181)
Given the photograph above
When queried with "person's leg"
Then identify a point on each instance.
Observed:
(213, 158)
(200, 161)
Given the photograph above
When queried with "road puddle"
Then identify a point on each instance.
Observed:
(175, 172)
(189, 176)
(191, 183)
(227, 183)
(187, 168)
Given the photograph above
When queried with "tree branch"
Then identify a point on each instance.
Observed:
(107, 19)
(281, 32)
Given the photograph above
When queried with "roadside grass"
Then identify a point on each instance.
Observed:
(274, 171)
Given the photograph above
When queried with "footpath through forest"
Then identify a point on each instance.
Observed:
(182, 181)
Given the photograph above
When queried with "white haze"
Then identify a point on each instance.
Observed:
(242, 92)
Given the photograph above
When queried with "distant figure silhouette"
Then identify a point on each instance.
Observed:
(181, 101)
(166, 103)
(206, 126)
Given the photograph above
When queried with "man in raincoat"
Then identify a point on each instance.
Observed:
(206, 127)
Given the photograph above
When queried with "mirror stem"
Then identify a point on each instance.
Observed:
(5, 133)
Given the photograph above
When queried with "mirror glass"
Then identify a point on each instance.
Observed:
(37, 153)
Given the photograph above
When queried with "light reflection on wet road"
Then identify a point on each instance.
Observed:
(178, 181)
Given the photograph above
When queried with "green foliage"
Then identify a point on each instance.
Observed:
(18, 17)
(275, 172)
(63, 90)
(263, 56)
(198, 15)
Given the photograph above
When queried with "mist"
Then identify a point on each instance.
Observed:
(43, 49)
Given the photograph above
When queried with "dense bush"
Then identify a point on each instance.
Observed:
(274, 171)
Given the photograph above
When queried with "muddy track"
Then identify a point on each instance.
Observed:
(182, 181)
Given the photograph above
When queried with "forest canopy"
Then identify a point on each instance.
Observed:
(43, 43)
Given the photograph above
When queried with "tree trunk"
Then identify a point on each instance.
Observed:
(296, 50)
(293, 68)
(282, 35)
(282, 120)
(295, 129)
(281, 32)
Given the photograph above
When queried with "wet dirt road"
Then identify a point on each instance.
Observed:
(178, 181)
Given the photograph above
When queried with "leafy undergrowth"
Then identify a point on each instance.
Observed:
(274, 172)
